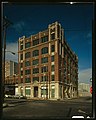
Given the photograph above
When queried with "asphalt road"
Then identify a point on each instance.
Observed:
(34, 109)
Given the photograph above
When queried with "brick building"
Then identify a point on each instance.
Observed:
(48, 69)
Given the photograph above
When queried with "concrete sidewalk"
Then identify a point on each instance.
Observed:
(12, 103)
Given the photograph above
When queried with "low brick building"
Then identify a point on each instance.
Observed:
(48, 68)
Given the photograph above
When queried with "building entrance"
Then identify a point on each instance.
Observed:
(36, 91)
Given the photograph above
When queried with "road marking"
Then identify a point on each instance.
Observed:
(77, 116)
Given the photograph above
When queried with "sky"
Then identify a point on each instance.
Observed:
(76, 20)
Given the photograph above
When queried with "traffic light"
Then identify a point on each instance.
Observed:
(91, 89)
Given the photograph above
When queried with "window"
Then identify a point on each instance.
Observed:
(53, 92)
(44, 69)
(21, 56)
(44, 60)
(21, 80)
(52, 48)
(27, 72)
(27, 63)
(35, 62)
(35, 42)
(35, 70)
(27, 91)
(52, 58)
(44, 78)
(21, 72)
(44, 92)
(44, 39)
(52, 77)
(35, 53)
(52, 68)
(27, 45)
(27, 55)
(27, 80)
(21, 65)
(52, 36)
(44, 50)
(35, 79)
(21, 47)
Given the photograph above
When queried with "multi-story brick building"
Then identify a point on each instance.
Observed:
(48, 68)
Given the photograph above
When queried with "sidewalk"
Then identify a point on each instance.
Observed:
(12, 103)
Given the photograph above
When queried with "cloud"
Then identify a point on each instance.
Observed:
(13, 47)
(85, 75)
(19, 26)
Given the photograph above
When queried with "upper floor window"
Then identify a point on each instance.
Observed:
(44, 78)
(27, 45)
(44, 69)
(52, 36)
(52, 58)
(27, 72)
(21, 65)
(35, 79)
(21, 47)
(44, 39)
(35, 53)
(27, 55)
(21, 56)
(27, 80)
(44, 60)
(27, 63)
(44, 50)
(21, 80)
(52, 77)
(52, 48)
(35, 70)
(21, 72)
(35, 62)
(35, 42)
(52, 68)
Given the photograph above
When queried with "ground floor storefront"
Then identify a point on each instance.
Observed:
(46, 91)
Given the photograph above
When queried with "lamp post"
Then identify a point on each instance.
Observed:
(6, 23)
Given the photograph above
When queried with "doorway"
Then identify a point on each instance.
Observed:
(36, 91)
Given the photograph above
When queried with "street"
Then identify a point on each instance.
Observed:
(32, 109)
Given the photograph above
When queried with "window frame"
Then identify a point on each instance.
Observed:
(44, 50)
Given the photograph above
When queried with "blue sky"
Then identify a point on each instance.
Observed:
(76, 19)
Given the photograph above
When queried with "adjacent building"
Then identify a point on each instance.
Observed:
(48, 68)
(11, 68)
(11, 77)
(84, 89)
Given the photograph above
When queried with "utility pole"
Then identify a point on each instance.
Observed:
(6, 23)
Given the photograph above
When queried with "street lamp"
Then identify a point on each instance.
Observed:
(6, 23)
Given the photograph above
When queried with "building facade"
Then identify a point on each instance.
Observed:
(48, 69)
(11, 68)
(11, 77)
(84, 89)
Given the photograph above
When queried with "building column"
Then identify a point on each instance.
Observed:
(39, 91)
(57, 90)
(24, 90)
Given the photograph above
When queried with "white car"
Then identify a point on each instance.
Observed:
(19, 96)
(6, 96)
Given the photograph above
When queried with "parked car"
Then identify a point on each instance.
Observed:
(19, 96)
(8, 96)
